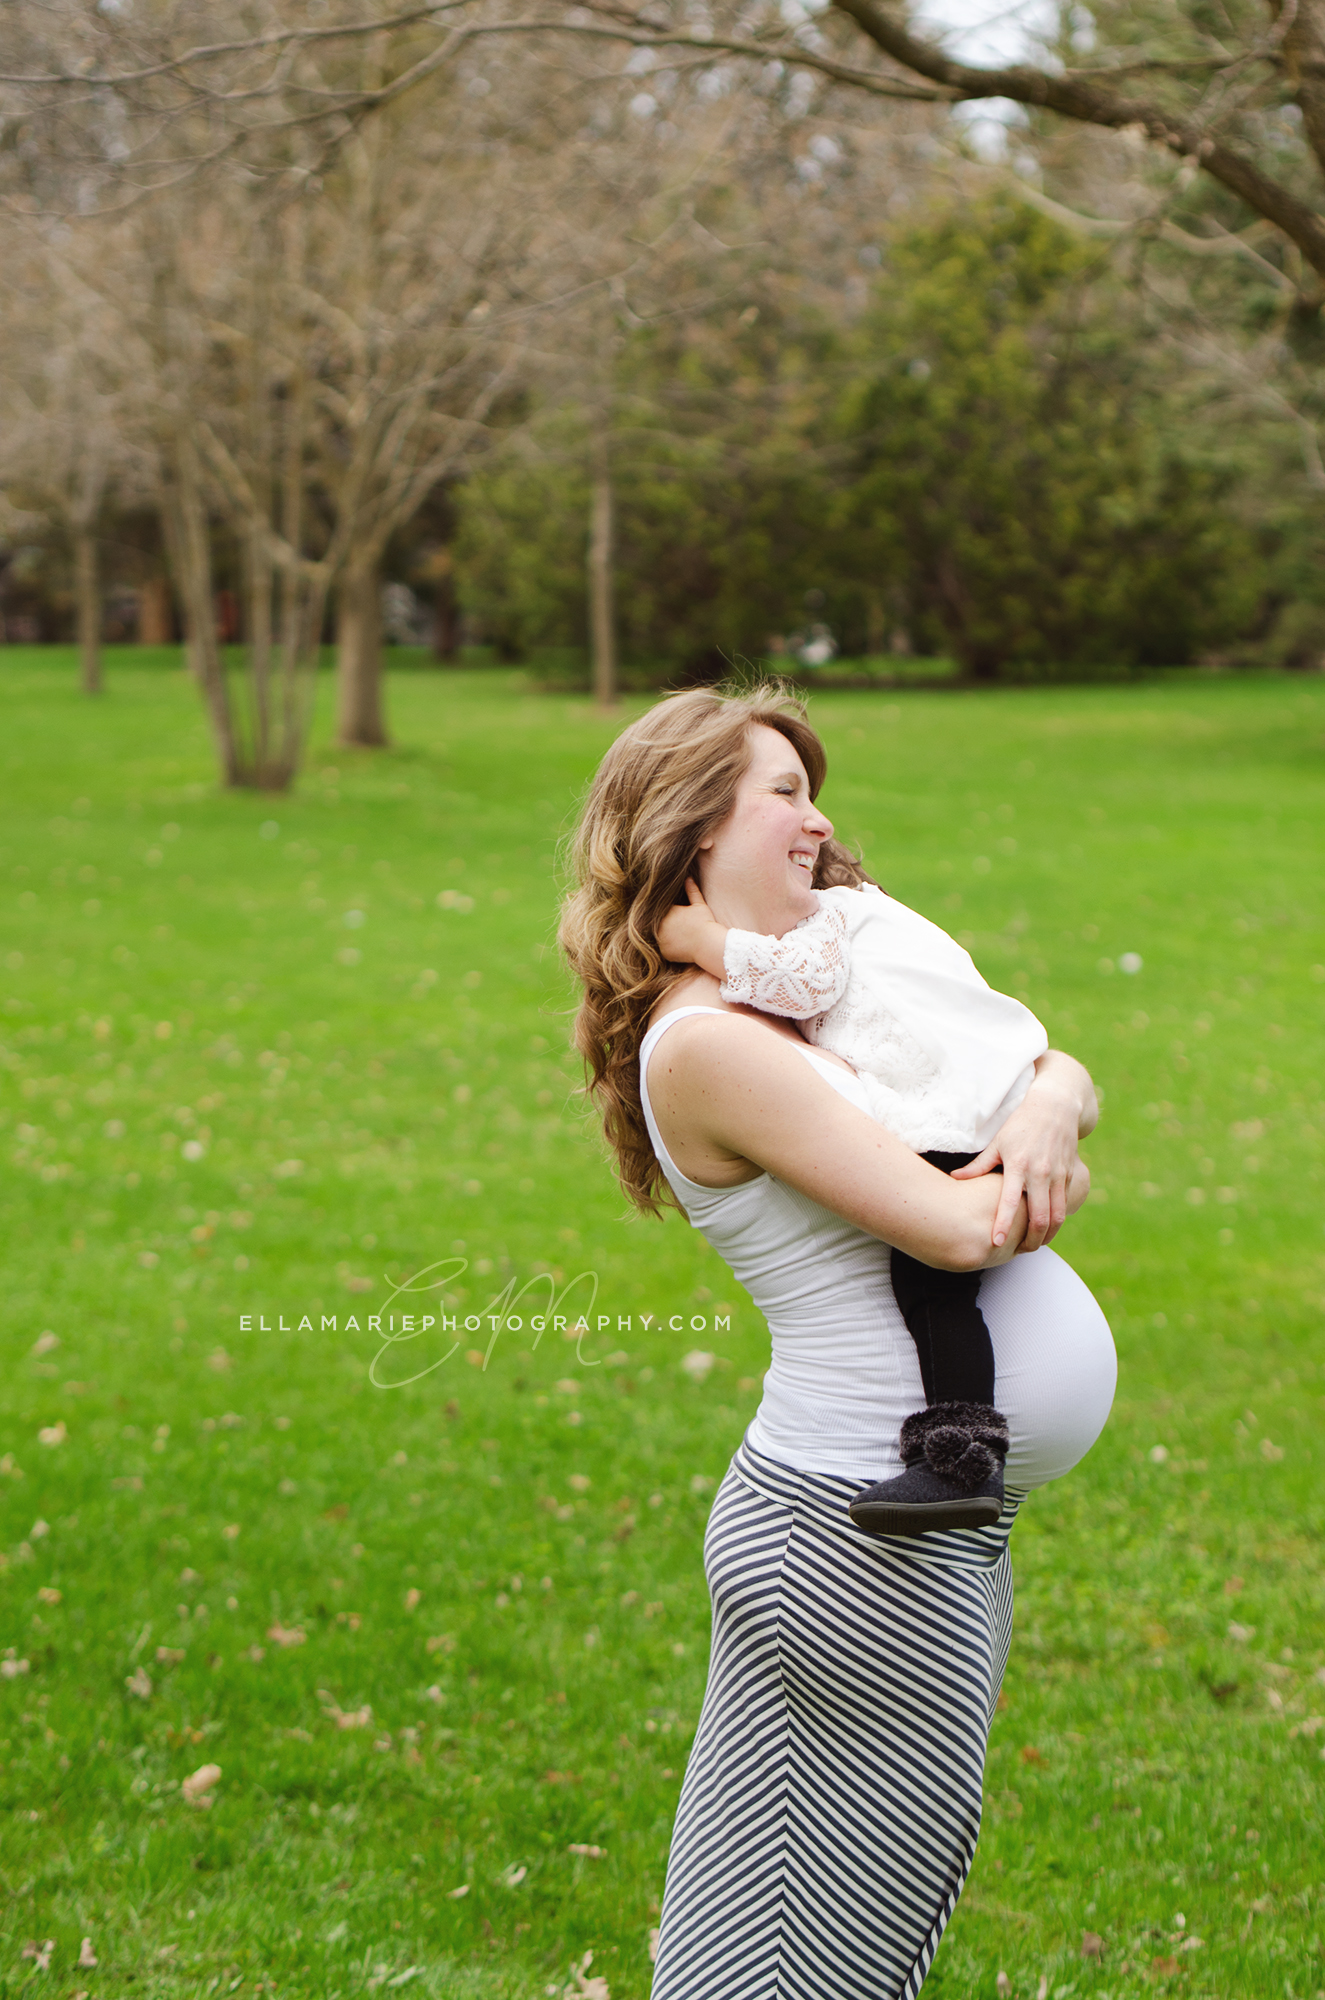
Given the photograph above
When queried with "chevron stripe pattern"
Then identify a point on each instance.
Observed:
(831, 1805)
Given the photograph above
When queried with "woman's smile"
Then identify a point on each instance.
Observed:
(757, 868)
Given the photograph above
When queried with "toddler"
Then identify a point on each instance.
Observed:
(943, 1060)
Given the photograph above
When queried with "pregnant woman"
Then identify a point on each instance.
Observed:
(830, 1808)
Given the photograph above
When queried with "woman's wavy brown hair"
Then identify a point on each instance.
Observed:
(667, 782)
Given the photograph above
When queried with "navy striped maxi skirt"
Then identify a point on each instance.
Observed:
(831, 1805)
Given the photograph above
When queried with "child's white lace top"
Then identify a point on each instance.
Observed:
(944, 1057)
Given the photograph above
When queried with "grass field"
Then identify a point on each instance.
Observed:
(446, 1641)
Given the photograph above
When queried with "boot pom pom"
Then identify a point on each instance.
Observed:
(959, 1441)
(955, 1454)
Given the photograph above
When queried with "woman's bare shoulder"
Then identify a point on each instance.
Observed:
(720, 1034)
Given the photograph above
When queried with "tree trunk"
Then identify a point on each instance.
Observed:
(359, 713)
(177, 564)
(602, 609)
(156, 623)
(258, 578)
(87, 585)
(190, 538)
(445, 611)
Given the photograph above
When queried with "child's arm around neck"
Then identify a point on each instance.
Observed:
(798, 976)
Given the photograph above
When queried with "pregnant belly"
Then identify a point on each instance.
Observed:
(1056, 1368)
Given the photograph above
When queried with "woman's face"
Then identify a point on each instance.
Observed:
(755, 870)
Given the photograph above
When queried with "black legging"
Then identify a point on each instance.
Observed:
(944, 1319)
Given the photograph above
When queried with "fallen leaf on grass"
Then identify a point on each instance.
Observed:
(351, 1718)
(1092, 1944)
(52, 1434)
(286, 1635)
(587, 1989)
(583, 1847)
(1164, 1968)
(87, 1958)
(11, 1668)
(512, 1877)
(653, 1945)
(169, 1656)
(197, 1787)
(138, 1683)
(412, 1599)
(454, 1895)
(41, 1953)
(1002, 1985)
(442, 1643)
(1030, 1755)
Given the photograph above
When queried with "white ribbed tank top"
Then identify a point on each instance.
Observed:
(844, 1371)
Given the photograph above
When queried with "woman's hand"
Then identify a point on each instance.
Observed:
(1037, 1149)
(691, 934)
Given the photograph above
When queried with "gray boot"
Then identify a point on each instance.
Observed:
(953, 1454)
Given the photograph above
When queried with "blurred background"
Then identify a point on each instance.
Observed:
(633, 348)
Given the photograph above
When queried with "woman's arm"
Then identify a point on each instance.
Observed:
(1037, 1147)
(731, 1094)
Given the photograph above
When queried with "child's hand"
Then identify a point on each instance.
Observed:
(691, 935)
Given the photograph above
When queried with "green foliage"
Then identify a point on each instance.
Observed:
(720, 516)
(989, 457)
(1014, 470)
(1156, 1753)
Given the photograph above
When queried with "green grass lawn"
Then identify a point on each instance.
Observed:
(263, 1058)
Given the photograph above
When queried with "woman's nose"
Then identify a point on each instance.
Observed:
(818, 826)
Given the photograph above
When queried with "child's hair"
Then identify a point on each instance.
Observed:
(664, 785)
(838, 868)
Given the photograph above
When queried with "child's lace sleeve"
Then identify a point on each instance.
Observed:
(799, 975)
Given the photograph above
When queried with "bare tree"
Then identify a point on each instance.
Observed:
(67, 435)
(1242, 97)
